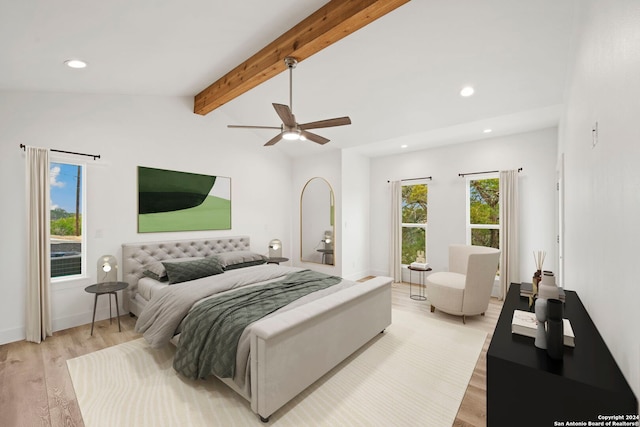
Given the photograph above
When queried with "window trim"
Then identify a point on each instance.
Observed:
(413, 224)
(83, 208)
(469, 226)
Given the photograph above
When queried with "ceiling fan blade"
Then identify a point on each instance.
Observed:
(339, 121)
(254, 127)
(313, 137)
(273, 140)
(285, 114)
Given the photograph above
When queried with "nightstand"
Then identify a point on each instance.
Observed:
(276, 260)
(110, 288)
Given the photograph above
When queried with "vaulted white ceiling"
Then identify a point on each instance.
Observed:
(398, 79)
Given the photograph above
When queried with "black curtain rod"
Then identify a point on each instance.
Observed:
(480, 173)
(415, 179)
(95, 156)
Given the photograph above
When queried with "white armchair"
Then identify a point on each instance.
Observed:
(465, 289)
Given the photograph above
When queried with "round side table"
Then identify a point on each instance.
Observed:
(420, 295)
(106, 288)
(324, 253)
(276, 260)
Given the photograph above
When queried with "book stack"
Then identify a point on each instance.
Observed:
(420, 265)
(525, 323)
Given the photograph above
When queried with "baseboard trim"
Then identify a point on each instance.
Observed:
(19, 334)
(12, 335)
(82, 319)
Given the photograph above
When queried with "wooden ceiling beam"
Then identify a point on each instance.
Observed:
(332, 22)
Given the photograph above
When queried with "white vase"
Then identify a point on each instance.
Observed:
(541, 317)
(547, 288)
(548, 278)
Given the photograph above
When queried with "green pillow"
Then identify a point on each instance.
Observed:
(236, 259)
(154, 276)
(245, 264)
(192, 270)
(156, 270)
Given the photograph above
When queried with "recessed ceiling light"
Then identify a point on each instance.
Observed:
(467, 91)
(487, 130)
(75, 63)
(404, 146)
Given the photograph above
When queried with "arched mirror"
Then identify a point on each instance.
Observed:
(317, 221)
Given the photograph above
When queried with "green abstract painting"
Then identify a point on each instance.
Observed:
(182, 201)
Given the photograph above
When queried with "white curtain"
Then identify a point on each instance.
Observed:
(396, 231)
(38, 325)
(509, 259)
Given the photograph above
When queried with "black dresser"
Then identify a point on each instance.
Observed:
(527, 388)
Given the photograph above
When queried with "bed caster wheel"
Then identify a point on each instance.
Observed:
(263, 419)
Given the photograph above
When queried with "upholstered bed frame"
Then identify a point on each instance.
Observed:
(292, 350)
(136, 256)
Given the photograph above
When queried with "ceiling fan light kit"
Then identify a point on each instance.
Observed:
(290, 129)
(291, 135)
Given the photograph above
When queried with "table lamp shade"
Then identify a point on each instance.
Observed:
(107, 269)
(275, 249)
(328, 239)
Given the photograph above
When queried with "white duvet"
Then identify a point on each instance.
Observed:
(162, 316)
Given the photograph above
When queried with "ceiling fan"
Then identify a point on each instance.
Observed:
(290, 129)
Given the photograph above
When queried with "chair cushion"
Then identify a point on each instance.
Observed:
(445, 291)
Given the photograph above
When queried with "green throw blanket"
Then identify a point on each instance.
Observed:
(210, 335)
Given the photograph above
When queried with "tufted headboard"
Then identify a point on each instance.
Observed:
(136, 256)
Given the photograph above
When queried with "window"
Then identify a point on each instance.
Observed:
(483, 211)
(414, 221)
(66, 191)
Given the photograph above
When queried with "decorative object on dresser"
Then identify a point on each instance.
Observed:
(541, 320)
(555, 329)
(538, 257)
(309, 332)
(525, 323)
(526, 291)
(547, 289)
(587, 384)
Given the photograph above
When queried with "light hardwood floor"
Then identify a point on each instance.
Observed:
(36, 390)
(473, 409)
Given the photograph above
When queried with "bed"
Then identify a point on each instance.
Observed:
(288, 350)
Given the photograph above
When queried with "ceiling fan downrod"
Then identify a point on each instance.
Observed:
(291, 64)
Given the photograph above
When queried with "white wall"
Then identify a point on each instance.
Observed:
(602, 182)
(355, 215)
(535, 152)
(127, 132)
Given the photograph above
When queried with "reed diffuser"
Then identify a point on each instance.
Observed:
(538, 259)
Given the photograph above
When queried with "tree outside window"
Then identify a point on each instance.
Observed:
(414, 221)
(66, 219)
(483, 212)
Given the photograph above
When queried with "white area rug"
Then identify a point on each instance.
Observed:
(415, 374)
